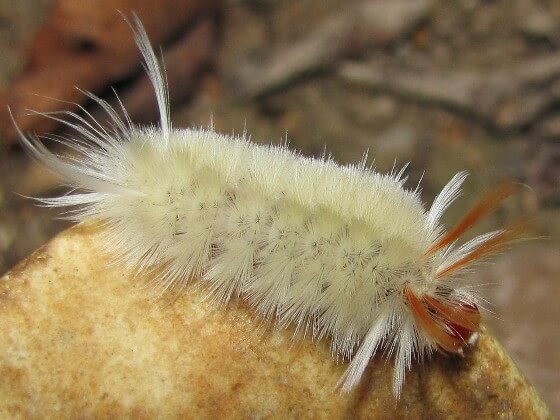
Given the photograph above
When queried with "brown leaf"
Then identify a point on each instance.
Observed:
(89, 45)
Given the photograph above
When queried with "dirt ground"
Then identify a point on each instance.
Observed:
(451, 85)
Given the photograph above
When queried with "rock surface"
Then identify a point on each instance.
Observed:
(80, 337)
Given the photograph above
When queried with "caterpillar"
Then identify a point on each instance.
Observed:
(339, 252)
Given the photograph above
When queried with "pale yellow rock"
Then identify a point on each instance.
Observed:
(80, 337)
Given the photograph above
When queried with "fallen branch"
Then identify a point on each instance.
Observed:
(369, 24)
(507, 99)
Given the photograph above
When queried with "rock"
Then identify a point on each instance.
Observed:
(528, 319)
(80, 338)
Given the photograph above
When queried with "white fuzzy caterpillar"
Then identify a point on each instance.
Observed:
(338, 251)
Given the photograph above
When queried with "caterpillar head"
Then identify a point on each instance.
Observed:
(452, 325)
(448, 319)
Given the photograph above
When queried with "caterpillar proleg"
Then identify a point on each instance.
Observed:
(340, 252)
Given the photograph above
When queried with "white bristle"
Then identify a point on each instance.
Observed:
(329, 249)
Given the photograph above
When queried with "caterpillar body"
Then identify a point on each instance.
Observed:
(338, 251)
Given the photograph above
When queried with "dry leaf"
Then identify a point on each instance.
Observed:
(89, 45)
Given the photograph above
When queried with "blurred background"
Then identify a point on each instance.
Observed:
(446, 85)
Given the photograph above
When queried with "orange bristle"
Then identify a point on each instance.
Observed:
(492, 246)
(463, 316)
(485, 205)
(431, 328)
